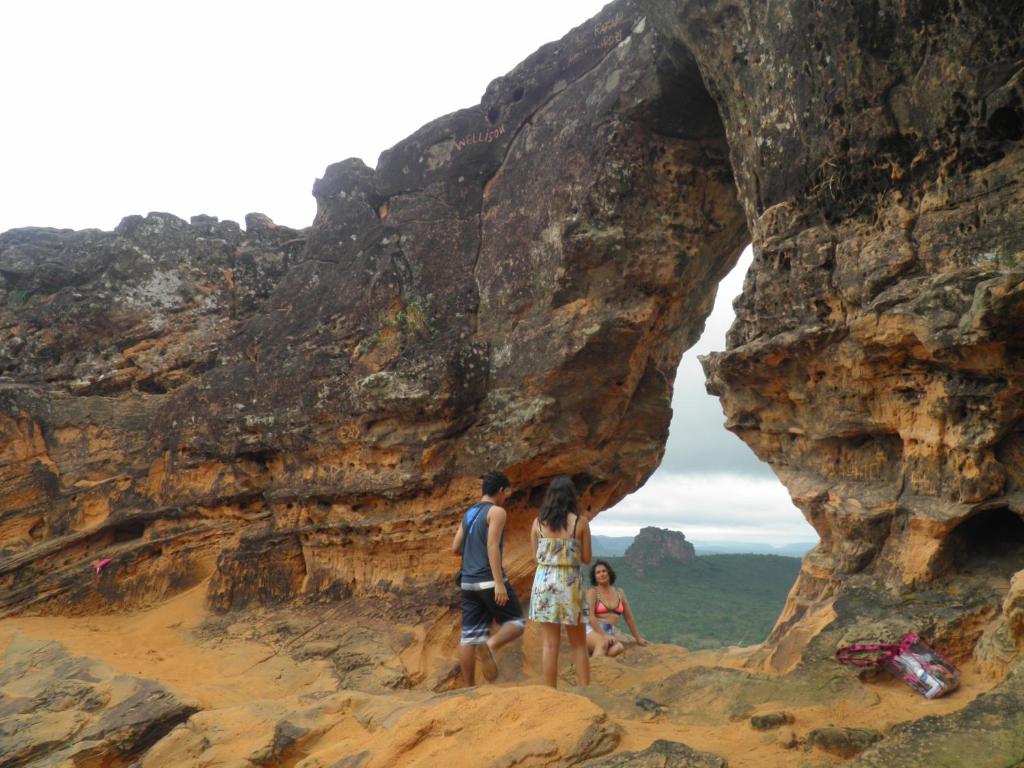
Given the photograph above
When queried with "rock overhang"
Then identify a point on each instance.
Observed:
(448, 311)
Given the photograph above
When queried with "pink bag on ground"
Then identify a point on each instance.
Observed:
(922, 668)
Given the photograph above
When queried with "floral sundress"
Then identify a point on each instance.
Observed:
(557, 595)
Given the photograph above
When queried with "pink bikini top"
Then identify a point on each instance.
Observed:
(601, 608)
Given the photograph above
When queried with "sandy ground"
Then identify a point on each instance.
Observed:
(160, 644)
(745, 747)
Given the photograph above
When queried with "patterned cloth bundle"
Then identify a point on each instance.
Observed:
(912, 659)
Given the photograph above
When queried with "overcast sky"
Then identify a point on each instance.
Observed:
(222, 107)
(710, 485)
(114, 108)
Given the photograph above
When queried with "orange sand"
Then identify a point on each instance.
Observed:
(423, 729)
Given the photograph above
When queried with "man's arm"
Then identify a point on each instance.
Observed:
(457, 541)
(495, 525)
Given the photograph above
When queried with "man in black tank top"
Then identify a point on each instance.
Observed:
(487, 596)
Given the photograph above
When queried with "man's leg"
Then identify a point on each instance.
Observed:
(510, 617)
(476, 623)
(467, 662)
(506, 633)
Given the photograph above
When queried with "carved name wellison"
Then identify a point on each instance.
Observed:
(480, 137)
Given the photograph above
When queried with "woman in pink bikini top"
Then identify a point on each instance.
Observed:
(605, 605)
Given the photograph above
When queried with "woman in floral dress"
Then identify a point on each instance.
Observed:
(561, 541)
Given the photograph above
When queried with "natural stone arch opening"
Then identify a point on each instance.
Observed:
(463, 306)
(699, 442)
(713, 488)
(876, 364)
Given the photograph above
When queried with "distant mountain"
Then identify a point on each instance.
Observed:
(794, 549)
(610, 546)
(653, 547)
(615, 546)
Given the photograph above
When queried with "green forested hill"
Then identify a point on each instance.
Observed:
(713, 601)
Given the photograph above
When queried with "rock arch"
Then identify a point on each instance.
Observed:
(514, 285)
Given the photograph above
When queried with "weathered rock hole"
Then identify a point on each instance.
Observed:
(517, 95)
(151, 386)
(537, 496)
(492, 115)
(260, 458)
(582, 481)
(128, 531)
(1007, 124)
(992, 540)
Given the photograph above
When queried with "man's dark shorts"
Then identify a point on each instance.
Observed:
(479, 610)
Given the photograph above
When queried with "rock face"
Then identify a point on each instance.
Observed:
(662, 754)
(655, 546)
(304, 414)
(875, 361)
(101, 334)
(307, 413)
(843, 742)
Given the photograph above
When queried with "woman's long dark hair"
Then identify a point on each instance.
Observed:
(559, 501)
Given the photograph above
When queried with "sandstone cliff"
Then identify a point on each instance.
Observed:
(306, 414)
(874, 362)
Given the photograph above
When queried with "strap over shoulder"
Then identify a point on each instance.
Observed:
(480, 508)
